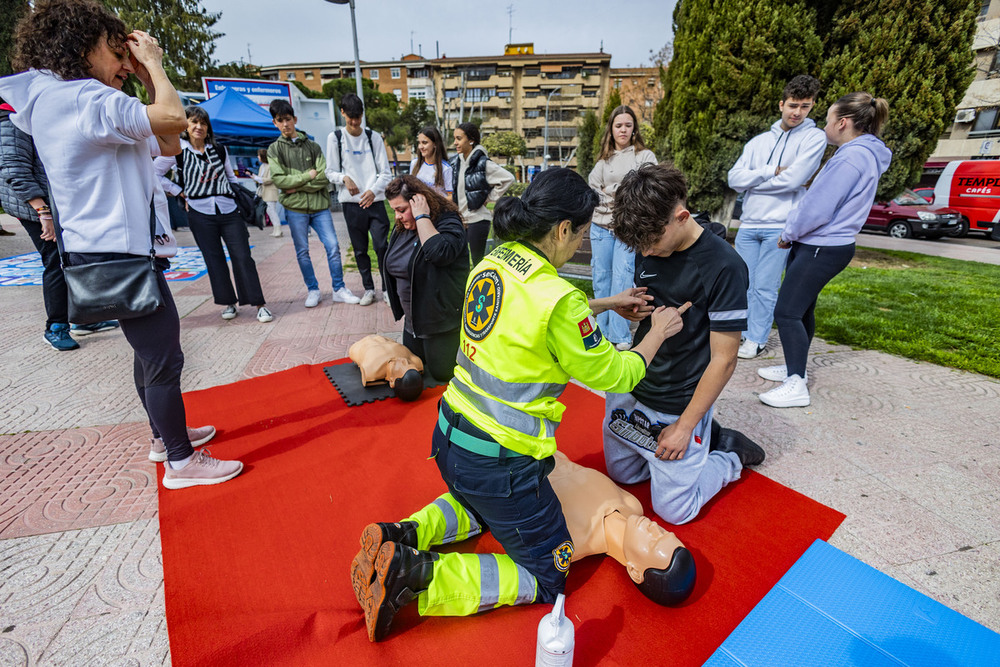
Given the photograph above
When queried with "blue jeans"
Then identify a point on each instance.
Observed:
(765, 262)
(299, 223)
(612, 269)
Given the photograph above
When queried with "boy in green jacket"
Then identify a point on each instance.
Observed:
(298, 170)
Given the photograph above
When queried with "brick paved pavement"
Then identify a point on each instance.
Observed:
(907, 450)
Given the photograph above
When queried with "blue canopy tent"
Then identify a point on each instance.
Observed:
(238, 121)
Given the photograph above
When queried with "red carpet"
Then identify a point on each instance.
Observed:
(256, 569)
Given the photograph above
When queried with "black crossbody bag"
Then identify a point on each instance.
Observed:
(118, 289)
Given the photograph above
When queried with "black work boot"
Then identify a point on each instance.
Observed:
(401, 573)
(372, 538)
(748, 451)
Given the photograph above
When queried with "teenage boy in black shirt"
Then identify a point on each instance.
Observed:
(662, 430)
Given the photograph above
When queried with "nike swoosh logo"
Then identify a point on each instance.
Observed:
(644, 275)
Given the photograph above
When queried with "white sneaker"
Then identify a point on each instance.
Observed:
(312, 299)
(621, 347)
(344, 295)
(229, 313)
(749, 349)
(264, 315)
(368, 298)
(777, 373)
(198, 437)
(792, 393)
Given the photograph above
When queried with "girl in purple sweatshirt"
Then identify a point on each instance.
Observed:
(820, 232)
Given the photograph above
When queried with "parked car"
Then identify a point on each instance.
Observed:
(972, 187)
(961, 229)
(910, 215)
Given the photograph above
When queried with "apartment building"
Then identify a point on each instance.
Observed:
(975, 132)
(519, 91)
(640, 88)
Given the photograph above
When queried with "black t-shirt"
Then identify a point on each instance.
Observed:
(713, 277)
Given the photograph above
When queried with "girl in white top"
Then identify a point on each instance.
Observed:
(493, 179)
(612, 264)
(431, 164)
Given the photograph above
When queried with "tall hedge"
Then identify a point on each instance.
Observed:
(914, 53)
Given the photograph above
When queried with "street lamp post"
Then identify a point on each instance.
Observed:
(357, 59)
(545, 146)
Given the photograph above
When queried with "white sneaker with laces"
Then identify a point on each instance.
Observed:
(229, 313)
(777, 373)
(198, 437)
(264, 315)
(368, 298)
(749, 349)
(344, 295)
(312, 299)
(792, 393)
(202, 469)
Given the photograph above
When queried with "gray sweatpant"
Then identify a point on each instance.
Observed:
(679, 488)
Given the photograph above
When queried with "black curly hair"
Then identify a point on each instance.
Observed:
(58, 35)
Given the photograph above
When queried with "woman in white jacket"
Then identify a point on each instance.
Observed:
(612, 264)
(476, 181)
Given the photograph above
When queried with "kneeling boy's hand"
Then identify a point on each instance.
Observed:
(672, 442)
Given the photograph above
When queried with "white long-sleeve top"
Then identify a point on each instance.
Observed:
(769, 198)
(607, 175)
(357, 162)
(204, 205)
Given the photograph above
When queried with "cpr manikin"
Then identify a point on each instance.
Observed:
(605, 519)
(381, 359)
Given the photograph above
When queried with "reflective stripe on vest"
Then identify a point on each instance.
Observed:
(512, 392)
(504, 414)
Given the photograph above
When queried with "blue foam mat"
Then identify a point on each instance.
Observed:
(832, 609)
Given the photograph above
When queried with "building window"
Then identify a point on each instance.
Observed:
(532, 113)
(532, 71)
(373, 74)
(309, 76)
(986, 123)
(398, 92)
(290, 76)
(503, 94)
(451, 94)
(590, 92)
(984, 9)
(421, 73)
(618, 83)
(418, 94)
(394, 72)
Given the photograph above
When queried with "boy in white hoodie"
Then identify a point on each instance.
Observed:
(772, 172)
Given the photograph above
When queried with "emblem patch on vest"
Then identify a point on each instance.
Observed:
(590, 333)
(482, 304)
(562, 555)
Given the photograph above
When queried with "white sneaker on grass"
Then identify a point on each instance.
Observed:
(344, 295)
(312, 299)
(368, 298)
(792, 393)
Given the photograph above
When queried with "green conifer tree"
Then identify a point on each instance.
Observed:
(914, 53)
(731, 61)
(585, 143)
(11, 11)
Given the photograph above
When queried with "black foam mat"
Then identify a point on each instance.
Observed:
(346, 379)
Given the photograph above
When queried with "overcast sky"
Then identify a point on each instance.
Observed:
(289, 31)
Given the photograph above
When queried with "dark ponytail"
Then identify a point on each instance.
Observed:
(555, 195)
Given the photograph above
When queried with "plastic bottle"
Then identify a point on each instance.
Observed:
(555, 638)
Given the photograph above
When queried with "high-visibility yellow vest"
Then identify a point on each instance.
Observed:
(506, 381)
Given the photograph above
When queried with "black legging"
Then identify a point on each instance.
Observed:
(478, 233)
(809, 269)
(438, 352)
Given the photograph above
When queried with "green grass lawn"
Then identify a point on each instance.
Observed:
(934, 309)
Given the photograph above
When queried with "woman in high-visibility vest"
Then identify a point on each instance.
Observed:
(525, 333)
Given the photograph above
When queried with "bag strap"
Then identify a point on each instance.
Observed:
(58, 228)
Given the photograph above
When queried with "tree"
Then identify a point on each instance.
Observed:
(508, 144)
(921, 66)
(12, 11)
(399, 125)
(662, 57)
(731, 61)
(586, 136)
(184, 30)
(373, 99)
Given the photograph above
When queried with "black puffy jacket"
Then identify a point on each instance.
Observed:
(22, 176)
(477, 189)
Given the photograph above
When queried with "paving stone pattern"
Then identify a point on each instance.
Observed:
(907, 450)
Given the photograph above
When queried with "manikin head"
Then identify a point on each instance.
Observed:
(657, 561)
